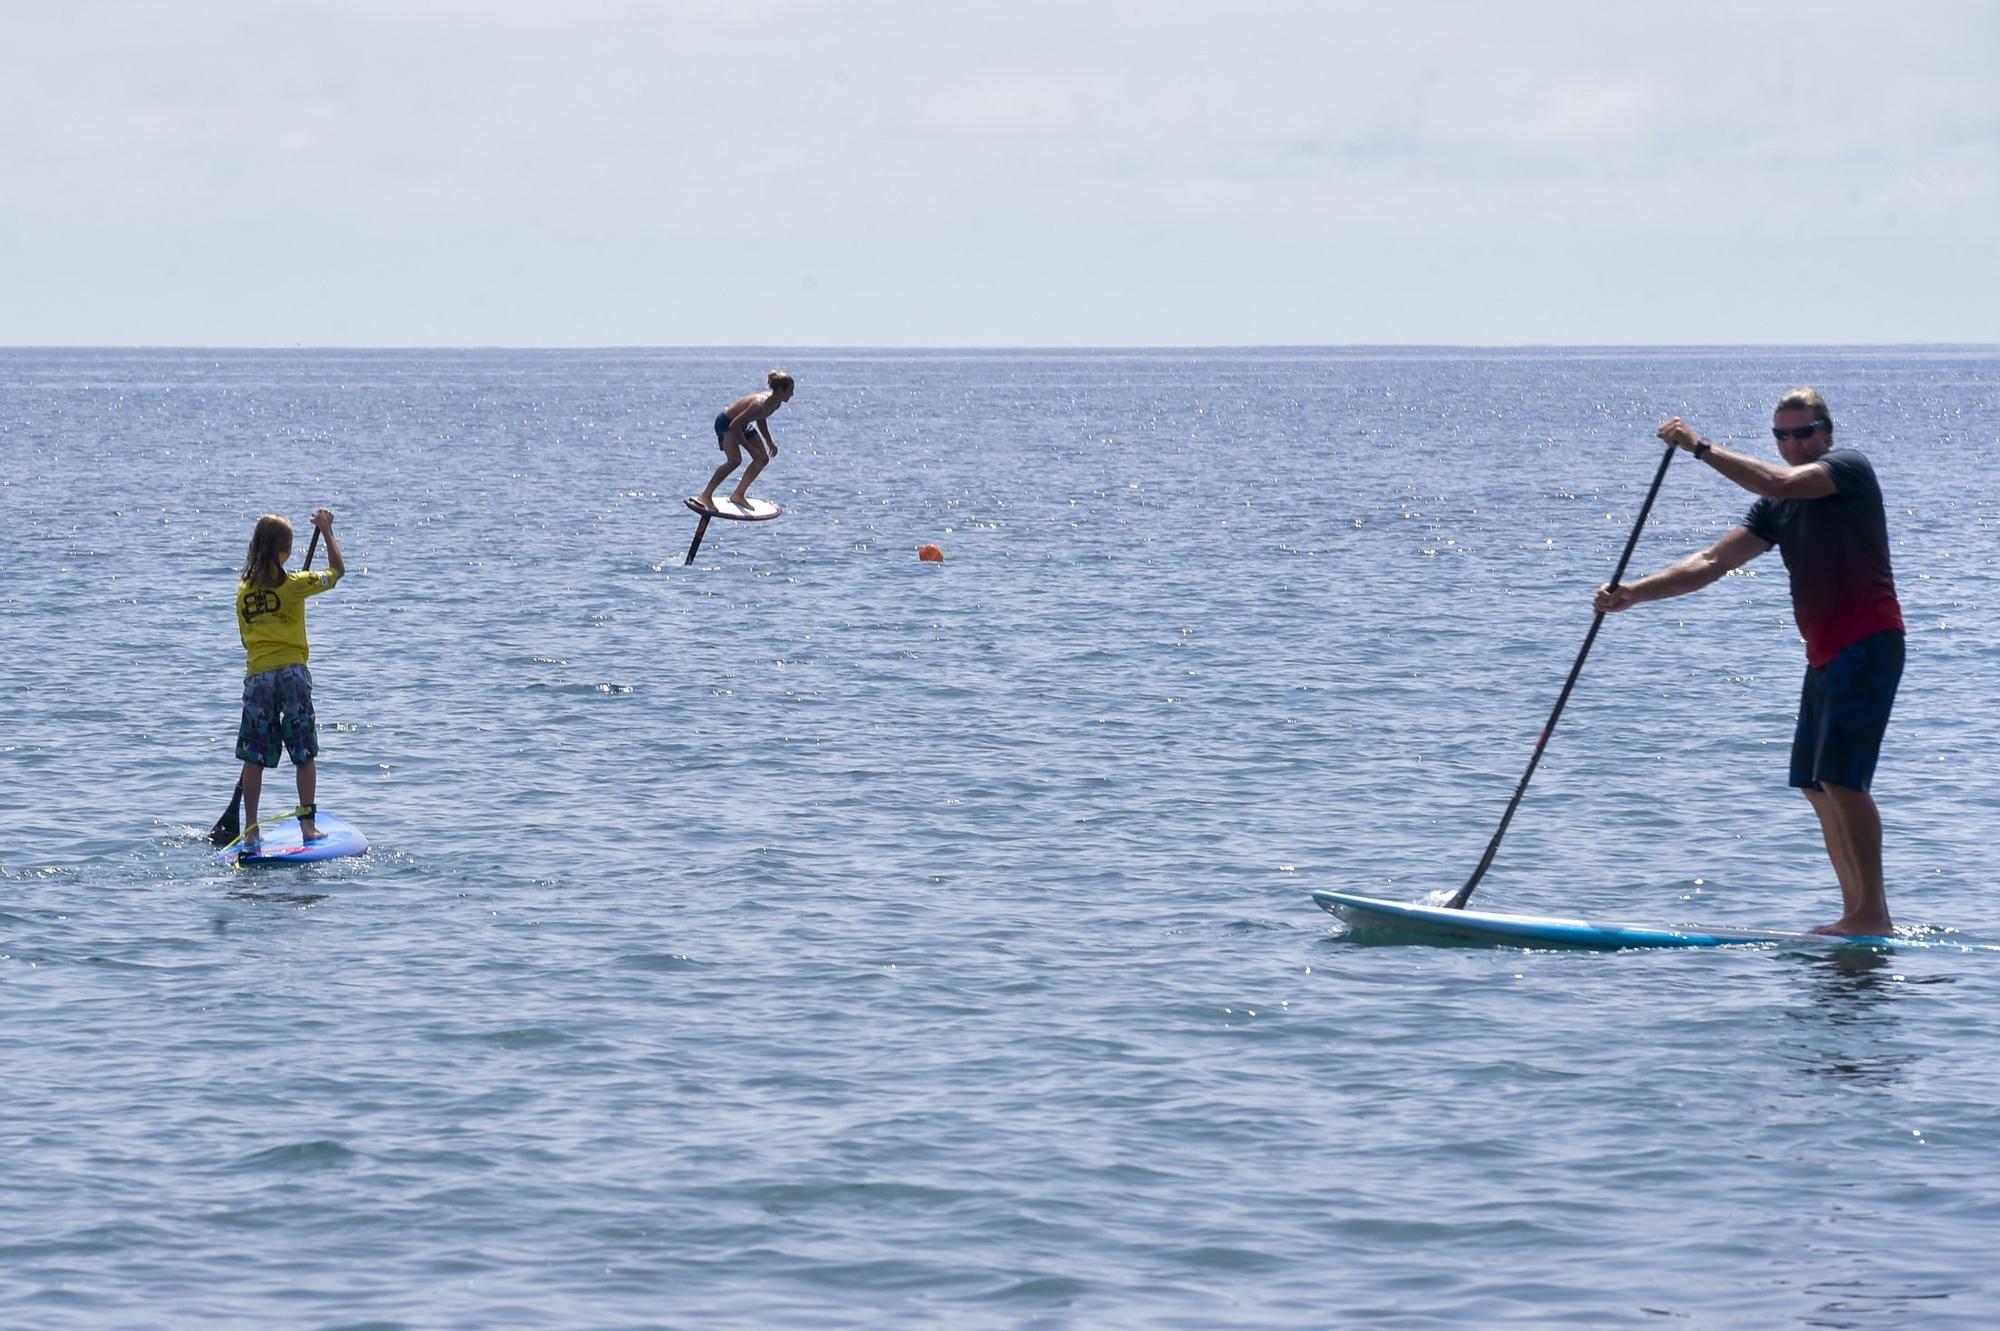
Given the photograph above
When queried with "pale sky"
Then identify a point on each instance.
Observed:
(1030, 172)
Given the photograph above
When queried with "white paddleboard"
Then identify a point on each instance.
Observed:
(1420, 921)
(280, 842)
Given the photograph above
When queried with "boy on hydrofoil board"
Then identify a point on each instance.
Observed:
(1823, 510)
(745, 425)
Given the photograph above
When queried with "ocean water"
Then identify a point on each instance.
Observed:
(815, 937)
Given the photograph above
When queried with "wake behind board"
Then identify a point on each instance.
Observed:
(281, 843)
(755, 510)
(1426, 922)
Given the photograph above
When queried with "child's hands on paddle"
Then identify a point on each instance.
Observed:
(322, 521)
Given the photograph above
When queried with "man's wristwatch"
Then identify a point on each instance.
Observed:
(1701, 447)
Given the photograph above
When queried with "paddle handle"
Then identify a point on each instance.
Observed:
(311, 547)
(1464, 894)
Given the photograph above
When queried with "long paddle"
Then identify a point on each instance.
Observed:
(229, 827)
(1464, 894)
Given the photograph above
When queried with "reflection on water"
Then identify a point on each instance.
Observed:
(1852, 971)
(1855, 1305)
(273, 898)
(1848, 1020)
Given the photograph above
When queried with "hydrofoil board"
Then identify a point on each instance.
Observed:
(754, 510)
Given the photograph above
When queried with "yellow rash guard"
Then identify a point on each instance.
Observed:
(272, 620)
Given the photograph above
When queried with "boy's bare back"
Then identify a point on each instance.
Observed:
(751, 409)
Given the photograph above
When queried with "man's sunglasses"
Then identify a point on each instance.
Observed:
(1781, 434)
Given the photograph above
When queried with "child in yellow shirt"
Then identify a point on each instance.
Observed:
(277, 688)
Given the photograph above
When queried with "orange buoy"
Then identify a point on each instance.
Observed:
(930, 554)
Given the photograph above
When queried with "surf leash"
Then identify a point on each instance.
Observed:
(1464, 894)
(300, 811)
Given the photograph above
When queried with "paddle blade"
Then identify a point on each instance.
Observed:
(230, 826)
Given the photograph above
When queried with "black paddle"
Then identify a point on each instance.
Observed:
(1464, 894)
(230, 825)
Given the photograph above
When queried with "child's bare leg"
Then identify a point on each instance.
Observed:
(253, 786)
(308, 773)
(759, 459)
(708, 491)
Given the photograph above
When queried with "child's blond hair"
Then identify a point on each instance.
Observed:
(270, 546)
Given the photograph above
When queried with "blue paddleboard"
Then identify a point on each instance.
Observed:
(1420, 920)
(281, 843)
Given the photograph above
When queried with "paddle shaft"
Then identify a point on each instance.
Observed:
(1464, 894)
(228, 829)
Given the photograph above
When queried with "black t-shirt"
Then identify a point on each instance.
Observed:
(1837, 551)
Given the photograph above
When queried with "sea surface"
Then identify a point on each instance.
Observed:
(816, 937)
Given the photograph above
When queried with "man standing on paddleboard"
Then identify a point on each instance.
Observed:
(1823, 511)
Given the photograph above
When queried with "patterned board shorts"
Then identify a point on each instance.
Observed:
(278, 713)
(1843, 712)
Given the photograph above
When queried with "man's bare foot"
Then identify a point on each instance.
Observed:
(741, 501)
(308, 830)
(704, 502)
(1845, 928)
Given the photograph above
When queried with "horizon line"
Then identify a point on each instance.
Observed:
(808, 348)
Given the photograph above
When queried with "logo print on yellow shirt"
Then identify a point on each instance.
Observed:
(259, 603)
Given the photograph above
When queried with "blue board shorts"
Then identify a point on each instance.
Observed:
(1843, 710)
(278, 714)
